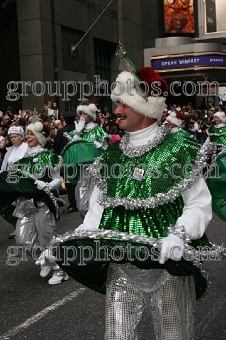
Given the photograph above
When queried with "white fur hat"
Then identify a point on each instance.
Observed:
(152, 104)
(89, 108)
(221, 115)
(17, 130)
(37, 129)
(173, 118)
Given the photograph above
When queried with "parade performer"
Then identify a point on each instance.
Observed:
(31, 181)
(14, 152)
(217, 132)
(174, 122)
(58, 145)
(215, 177)
(18, 148)
(141, 206)
(85, 143)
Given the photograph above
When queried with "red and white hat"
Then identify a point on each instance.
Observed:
(88, 107)
(175, 118)
(146, 95)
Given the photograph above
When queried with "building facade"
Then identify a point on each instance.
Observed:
(191, 53)
(63, 50)
(62, 47)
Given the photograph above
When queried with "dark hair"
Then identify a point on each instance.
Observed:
(113, 129)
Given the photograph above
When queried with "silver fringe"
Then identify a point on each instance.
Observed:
(137, 151)
(215, 252)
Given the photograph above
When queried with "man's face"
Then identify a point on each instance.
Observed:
(130, 120)
(16, 120)
(5, 119)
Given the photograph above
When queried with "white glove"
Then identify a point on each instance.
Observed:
(40, 184)
(55, 183)
(76, 137)
(97, 144)
(80, 125)
(172, 247)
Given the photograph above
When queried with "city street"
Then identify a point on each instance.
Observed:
(32, 309)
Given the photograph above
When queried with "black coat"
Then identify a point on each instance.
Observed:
(60, 141)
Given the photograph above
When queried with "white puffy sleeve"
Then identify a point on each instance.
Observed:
(197, 211)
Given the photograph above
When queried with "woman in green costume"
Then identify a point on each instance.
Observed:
(86, 143)
(174, 122)
(30, 182)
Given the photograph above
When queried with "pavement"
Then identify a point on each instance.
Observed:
(32, 309)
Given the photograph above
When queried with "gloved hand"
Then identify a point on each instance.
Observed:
(55, 183)
(76, 137)
(97, 144)
(172, 247)
(40, 184)
(80, 125)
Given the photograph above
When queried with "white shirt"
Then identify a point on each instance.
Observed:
(13, 154)
(197, 211)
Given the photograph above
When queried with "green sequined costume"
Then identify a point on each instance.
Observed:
(216, 179)
(83, 148)
(19, 180)
(141, 197)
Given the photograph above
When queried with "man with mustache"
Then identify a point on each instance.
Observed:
(143, 220)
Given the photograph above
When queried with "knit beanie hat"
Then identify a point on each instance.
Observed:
(17, 130)
(37, 129)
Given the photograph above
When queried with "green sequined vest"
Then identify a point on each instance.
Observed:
(164, 167)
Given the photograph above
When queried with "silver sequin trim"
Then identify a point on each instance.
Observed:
(131, 151)
(161, 198)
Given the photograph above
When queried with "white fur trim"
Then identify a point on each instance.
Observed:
(173, 119)
(37, 129)
(90, 110)
(126, 93)
(221, 115)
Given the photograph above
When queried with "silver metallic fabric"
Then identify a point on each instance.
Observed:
(35, 223)
(83, 191)
(170, 299)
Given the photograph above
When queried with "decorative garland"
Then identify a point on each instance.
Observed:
(160, 198)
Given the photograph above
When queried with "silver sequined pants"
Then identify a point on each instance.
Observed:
(170, 300)
(35, 224)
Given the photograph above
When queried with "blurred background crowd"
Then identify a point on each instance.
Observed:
(195, 121)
